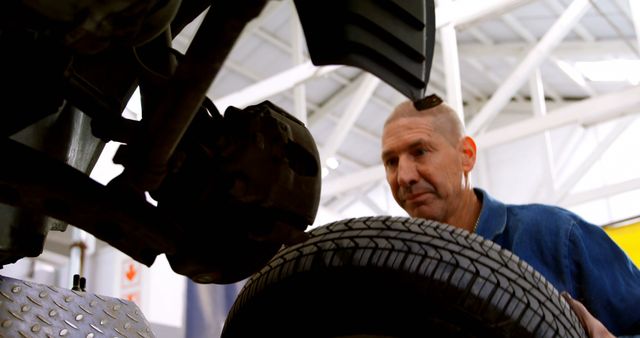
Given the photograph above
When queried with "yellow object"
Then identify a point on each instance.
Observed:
(627, 236)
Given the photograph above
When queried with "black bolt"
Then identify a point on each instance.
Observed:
(83, 284)
(76, 283)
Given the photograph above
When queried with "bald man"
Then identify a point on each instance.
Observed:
(428, 158)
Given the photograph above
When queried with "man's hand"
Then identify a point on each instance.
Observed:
(594, 328)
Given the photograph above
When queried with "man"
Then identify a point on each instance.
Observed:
(428, 158)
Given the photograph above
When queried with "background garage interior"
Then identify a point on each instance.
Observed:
(549, 88)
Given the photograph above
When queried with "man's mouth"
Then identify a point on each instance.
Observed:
(416, 197)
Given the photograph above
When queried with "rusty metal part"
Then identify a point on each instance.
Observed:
(63, 136)
(247, 184)
(185, 91)
(47, 186)
(94, 26)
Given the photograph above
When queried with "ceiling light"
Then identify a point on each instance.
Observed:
(332, 163)
(325, 172)
(616, 70)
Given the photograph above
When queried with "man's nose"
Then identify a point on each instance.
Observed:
(407, 172)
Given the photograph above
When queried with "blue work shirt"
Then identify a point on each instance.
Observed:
(572, 254)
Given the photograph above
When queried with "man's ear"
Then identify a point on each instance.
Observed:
(468, 153)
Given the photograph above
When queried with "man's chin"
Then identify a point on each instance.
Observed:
(424, 212)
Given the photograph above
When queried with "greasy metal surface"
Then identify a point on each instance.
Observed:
(50, 187)
(248, 183)
(64, 136)
(185, 91)
(36, 310)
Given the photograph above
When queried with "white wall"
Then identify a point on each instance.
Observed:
(157, 290)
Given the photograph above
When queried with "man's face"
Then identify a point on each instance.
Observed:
(424, 169)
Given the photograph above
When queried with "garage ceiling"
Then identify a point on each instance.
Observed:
(516, 60)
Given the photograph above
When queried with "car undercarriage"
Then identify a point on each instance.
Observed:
(231, 187)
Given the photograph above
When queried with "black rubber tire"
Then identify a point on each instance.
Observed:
(398, 277)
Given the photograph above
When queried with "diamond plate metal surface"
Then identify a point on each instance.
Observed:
(36, 310)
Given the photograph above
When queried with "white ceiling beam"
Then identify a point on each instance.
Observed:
(461, 12)
(349, 117)
(518, 28)
(595, 155)
(572, 50)
(524, 108)
(479, 67)
(582, 32)
(603, 192)
(344, 81)
(574, 75)
(347, 199)
(587, 111)
(452, 68)
(273, 85)
(536, 88)
(300, 103)
(339, 78)
(527, 36)
(519, 110)
(438, 76)
(339, 201)
(464, 13)
(475, 92)
(371, 137)
(483, 38)
(538, 101)
(254, 25)
(337, 98)
(298, 49)
(553, 94)
(348, 182)
(548, 89)
(520, 75)
(635, 17)
(451, 62)
(273, 40)
(244, 71)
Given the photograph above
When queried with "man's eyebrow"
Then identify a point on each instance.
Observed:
(413, 145)
(417, 143)
(386, 154)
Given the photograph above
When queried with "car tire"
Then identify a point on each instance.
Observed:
(398, 277)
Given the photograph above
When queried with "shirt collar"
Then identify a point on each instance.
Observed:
(493, 215)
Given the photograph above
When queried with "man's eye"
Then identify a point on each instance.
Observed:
(420, 151)
(390, 162)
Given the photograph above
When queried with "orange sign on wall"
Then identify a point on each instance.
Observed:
(130, 280)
